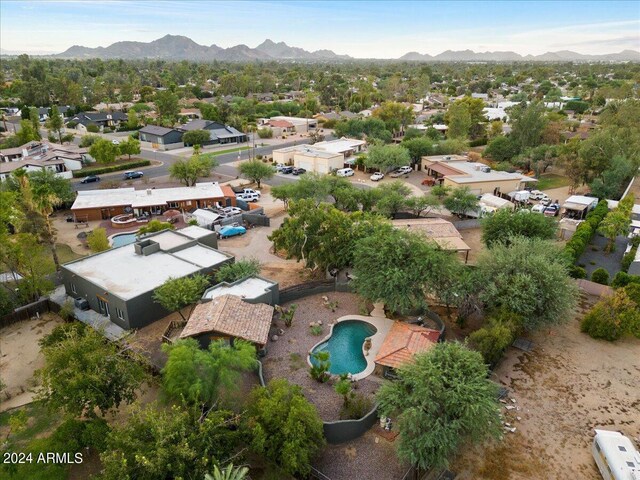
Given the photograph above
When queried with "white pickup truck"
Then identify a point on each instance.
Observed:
(248, 197)
(248, 191)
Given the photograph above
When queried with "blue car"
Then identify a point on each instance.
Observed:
(231, 231)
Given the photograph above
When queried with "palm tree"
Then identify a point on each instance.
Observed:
(228, 473)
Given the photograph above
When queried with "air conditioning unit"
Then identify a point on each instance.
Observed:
(81, 303)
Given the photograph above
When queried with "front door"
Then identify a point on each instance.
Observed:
(106, 215)
(104, 306)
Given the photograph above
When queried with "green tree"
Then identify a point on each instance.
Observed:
(104, 151)
(440, 191)
(55, 123)
(205, 377)
(392, 197)
(613, 317)
(397, 267)
(387, 157)
(88, 140)
(26, 133)
(98, 241)
(232, 272)
(504, 224)
(420, 204)
(159, 443)
(196, 137)
(614, 224)
(395, 115)
(188, 171)
(256, 171)
(284, 426)
(443, 399)
(129, 147)
(528, 123)
(322, 236)
(459, 119)
(501, 149)
(155, 226)
(34, 117)
(418, 147)
(529, 278)
(132, 120)
(84, 372)
(166, 105)
(495, 336)
(461, 201)
(178, 293)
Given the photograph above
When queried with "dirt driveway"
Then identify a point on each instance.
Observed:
(567, 386)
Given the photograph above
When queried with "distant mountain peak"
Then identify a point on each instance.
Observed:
(507, 56)
(179, 47)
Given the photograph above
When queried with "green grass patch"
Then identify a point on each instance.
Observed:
(222, 152)
(112, 167)
(551, 180)
(65, 254)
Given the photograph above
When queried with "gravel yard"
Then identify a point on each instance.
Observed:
(287, 357)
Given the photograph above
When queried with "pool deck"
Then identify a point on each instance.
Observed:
(382, 325)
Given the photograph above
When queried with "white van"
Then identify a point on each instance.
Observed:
(345, 172)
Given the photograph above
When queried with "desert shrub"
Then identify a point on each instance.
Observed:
(265, 133)
(601, 276)
(633, 291)
(613, 317)
(93, 128)
(315, 330)
(61, 333)
(359, 405)
(577, 272)
(319, 371)
(622, 279)
(495, 336)
(66, 311)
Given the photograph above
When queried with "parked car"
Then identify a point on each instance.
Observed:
(552, 210)
(377, 176)
(345, 172)
(535, 195)
(248, 197)
(130, 175)
(229, 211)
(231, 231)
(250, 191)
(298, 171)
(538, 209)
(280, 166)
(545, 201)
(401, 171)
(286, 170)
(115, 142)
(90, 179)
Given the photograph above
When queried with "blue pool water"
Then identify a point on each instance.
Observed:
(345, 346)
(123, 239)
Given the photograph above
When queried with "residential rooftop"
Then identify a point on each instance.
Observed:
(249, 288)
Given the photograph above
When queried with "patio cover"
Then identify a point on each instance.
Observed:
(230, 315)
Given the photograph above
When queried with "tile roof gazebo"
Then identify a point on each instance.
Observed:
(403, 341)
(228, 316)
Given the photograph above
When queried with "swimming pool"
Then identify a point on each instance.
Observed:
(345, 346)
(123, 239)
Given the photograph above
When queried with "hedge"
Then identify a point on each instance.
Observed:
(113, 168)
(576, 246)
(601, 276)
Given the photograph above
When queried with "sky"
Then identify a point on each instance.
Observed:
(362, 29)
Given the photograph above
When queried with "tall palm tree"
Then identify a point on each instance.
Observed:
(228, 473)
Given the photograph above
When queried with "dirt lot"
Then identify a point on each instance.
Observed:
(20, 356)
(567, 386)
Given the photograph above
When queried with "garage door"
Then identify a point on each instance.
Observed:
(306, 164)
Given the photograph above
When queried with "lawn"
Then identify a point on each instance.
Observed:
(548, 181)
(222, 152)
(65, 254)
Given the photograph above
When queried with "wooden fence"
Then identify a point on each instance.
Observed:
(25, 312)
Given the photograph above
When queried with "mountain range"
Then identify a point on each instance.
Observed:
(176, 47)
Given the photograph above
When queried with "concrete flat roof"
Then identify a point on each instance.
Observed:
(339, 146)
(195, 232)
(126, 274)
(248, 288)
(169, 240)
(144, 198)
(201, 255)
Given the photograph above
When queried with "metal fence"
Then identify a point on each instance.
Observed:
(302, 290)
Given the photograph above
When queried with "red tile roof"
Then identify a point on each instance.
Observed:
(403, 341)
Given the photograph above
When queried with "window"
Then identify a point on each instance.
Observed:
(173, 204)
(120, 313)
(621, 448)
(73, 288)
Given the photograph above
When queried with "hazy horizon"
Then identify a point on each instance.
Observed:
(359, 29)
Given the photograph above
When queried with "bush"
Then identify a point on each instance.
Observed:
(232, 272)
(577, 272)
(113, 168)
(614, 316)
(93, 128)
(357, 407)
(622, 279)
(601, 276)
(498, 333)
(315, 330)
(66, 311)
(265, 132)
(576, 246)
(329, 123)
(479, 142)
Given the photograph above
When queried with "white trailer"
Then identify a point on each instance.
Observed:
(615, 455)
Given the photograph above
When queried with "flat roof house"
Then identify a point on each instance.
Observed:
(44, 155)
(100, 119)
(119, 283)
(162, 138)
(457, 171)
(439, 230)
(105, 204)
(321, 157)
